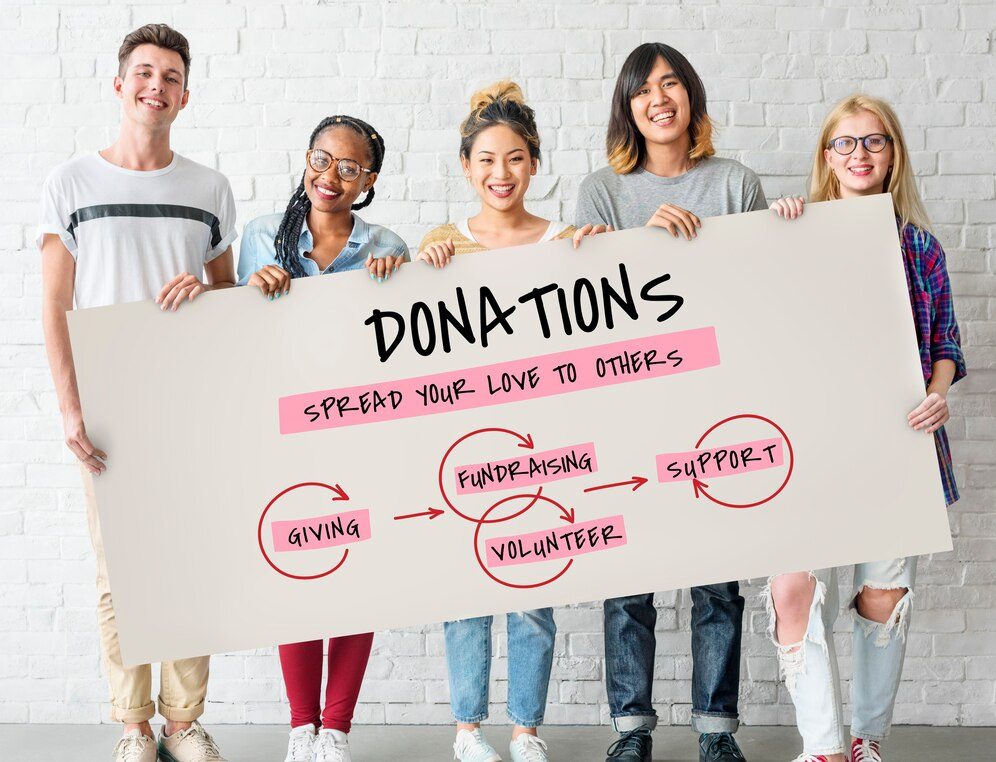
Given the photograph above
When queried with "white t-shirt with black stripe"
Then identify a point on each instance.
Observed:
(131, 231)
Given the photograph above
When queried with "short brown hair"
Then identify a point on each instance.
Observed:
(160, 35)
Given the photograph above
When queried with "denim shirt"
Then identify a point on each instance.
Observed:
(258, 249)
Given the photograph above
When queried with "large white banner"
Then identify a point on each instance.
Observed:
(527, 427)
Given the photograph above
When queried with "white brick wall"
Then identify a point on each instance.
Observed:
(771, 73)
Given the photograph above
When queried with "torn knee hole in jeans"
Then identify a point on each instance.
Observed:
(792, 663)
(898, 619)
(792, 657)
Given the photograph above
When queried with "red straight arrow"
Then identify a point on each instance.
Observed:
(636, 481)
(431, 513)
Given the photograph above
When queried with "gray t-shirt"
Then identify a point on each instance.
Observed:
(713, 187)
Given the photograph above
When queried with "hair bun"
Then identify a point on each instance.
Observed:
(504, 90)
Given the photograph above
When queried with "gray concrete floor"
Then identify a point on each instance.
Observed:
(379, 743)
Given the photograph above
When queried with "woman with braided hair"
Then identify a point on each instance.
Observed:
(318, 232)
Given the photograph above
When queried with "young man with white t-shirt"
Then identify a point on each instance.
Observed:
(135, 221)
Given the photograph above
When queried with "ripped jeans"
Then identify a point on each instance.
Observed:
(530, 659)
(810, 666)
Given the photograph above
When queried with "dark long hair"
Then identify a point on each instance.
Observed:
(625, 146)
(285, 241)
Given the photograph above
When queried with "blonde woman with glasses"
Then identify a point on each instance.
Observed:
(861, 152)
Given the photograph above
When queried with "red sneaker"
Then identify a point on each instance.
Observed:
(810, 758)
(863, 750)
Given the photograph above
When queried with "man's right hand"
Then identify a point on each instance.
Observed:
(675, 219)
(77, 441)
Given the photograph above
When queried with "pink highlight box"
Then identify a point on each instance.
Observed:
(505, 476)
(671, 353)
(721, 461)
(561, 542)
(321, 531)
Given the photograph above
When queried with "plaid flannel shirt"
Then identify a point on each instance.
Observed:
(936, 325)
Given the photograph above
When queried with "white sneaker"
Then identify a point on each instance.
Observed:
(527, 748)
(470, 746)
(301, 746)
(332, 746)
(134, 747)
(191, 745)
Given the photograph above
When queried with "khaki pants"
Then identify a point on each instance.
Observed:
(182, 684)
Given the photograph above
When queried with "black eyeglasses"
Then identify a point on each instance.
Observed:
(874, 143)
(348, 169)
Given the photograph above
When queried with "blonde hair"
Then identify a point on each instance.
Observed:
(500, 103)
(823, 183)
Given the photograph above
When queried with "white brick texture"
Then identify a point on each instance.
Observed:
(264, 73)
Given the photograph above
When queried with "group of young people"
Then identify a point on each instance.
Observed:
(137, 221)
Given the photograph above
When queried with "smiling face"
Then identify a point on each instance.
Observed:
(499, 167)
(152, 89)
(660, 107)
(861, 173)
(328, 192)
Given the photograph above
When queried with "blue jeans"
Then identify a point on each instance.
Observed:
(530, 659)
(717, 617)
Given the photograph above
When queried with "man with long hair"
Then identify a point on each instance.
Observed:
(663, 173)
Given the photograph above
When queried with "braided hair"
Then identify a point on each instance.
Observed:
(285, 241)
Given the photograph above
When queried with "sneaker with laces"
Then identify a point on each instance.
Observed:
(470, 746)
(527, 748)
(632, 746)
(134, 747)
(719, 747)
(191, 745)
(863, 750)
(810, 758)
(332, 746)
(301, 745)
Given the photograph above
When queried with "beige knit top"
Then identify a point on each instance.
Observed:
(465, 243)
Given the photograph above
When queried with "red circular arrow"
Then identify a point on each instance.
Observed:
(527, 443)
(788, 475)
(340, 495)
(534, 499)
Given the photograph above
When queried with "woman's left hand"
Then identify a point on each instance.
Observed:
(590, 230)
(383, 267)
(930, 414)
(788, 207)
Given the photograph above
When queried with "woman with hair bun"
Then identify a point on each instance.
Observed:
(317, 234)
(499, 153)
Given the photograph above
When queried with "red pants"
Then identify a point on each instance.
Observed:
(302, 667)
